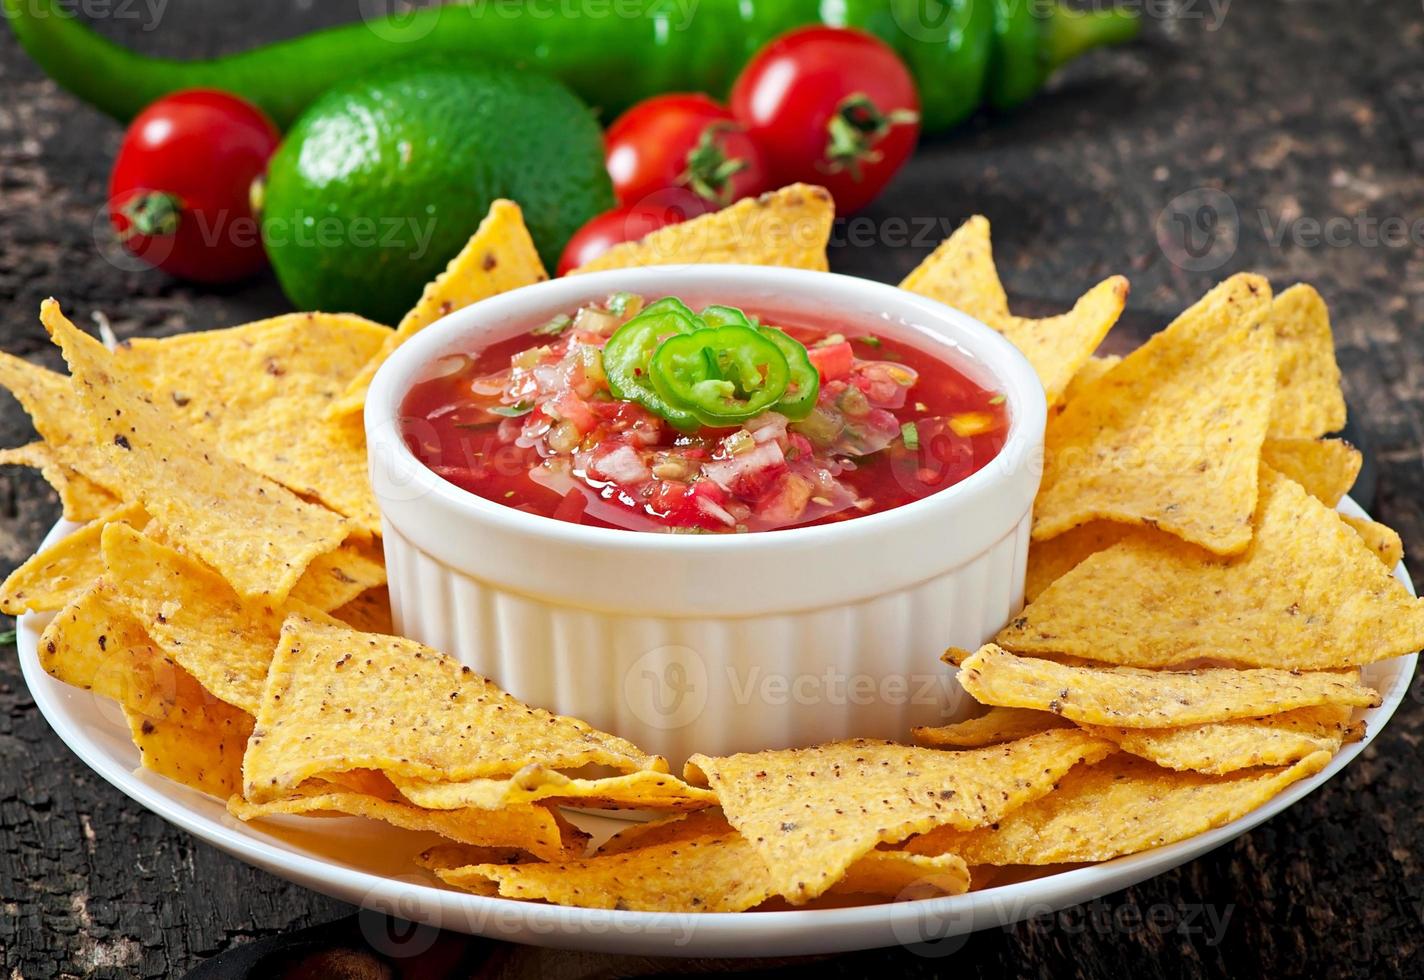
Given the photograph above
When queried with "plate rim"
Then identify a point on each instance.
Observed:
(930, 925)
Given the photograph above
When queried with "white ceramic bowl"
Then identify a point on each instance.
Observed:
(715, 643)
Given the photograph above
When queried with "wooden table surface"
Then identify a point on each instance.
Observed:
(1292, 133)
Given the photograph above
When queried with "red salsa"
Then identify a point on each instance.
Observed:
(700, 423)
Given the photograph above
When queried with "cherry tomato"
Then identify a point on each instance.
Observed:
(682, 141)
(179, 196)
(629, 222)
(830, 106)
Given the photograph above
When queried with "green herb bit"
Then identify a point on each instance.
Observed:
(554, 327)
(997, 400)
(517, 410)
(870, 340)
(910, 433)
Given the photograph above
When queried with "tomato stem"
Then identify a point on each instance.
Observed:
(709, 170)
(854, 129)
(152, 213)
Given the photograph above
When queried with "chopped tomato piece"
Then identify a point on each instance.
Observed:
(834, 362)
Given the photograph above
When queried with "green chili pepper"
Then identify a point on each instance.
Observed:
(805, 384)
(960, 51)
(722, 375)
(628, 353)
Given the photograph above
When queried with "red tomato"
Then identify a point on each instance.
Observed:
(682, 141)
(630, 222)
(830, 106)
(179, 193)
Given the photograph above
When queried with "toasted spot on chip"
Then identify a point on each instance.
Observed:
(338, 700)
(53, 576)
(83, 500)
(1130, 697)
(1122, 805)
(788, 227)
(644, 789)
(1244, 743)
(705, 874)
(1384, 541)
(260, 393)
(811, 813)
(500, 256)
(1308, 594)
(1327, 468)
(256, 533)
(994, 727)
(1171, 437)
(1309, 402)
(534, 829)
(961, 273)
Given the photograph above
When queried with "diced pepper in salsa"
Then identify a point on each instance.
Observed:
(650, 417)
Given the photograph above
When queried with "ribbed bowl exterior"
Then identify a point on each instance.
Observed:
(679, 685)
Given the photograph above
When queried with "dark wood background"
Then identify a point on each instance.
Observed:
(1286, 118)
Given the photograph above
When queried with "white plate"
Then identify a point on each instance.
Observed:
(368, 864)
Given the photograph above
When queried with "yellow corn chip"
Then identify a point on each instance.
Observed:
(442, 857)
(199, 746)
(706, 874)
(1325, 467)
(535, 829)
(811, 813)
(668, 830)
(1171, 437)
(1226, 746)
(789, 227)
(1308, 594)
(644, 790)
(369, 612)
(226, 642)
(57, 411)
(339, 578)
(52, 577)
(260, 393)
(1122, 805)
(338, 700)
(1309, 402)
(83, 500)
(1383, 541)
(994, 727)
(1093, 369)
(499, 257)
(961, 273)
(1050, 560)
(1128, 697)
(258, 534)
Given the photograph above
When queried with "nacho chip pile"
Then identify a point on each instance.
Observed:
(1197, 611)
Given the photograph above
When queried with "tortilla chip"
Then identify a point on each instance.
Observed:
(53, 576)
(1308, 594)
(644, 790)
(56, 409)
(668, 830)
(83, 500)
(1309, 402)
(195, 617)
(789, 227)
(339, 578)
(1128, 697)
(1050, 560)
(258, 534)
(811, 813)
(1122, 805)
(961, 273)
(707, 874)
(338, 700)
(1327, 468)
(1171, 437)
(1383, 541)
(369, 612)
(442, 857)
(994, 727)
(529, 828)
(1226, 746)
(260, 393)
(198, 745)
(1093, 369)
(499, 257)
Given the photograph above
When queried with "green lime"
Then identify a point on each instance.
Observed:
(382, 181)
